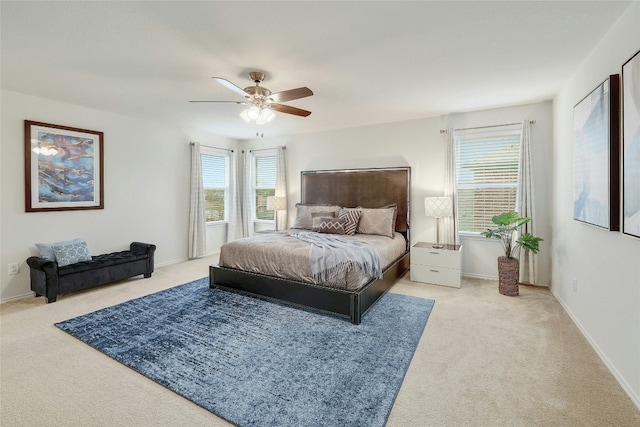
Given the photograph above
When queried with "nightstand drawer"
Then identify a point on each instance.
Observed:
(439, 257)
(435, 275)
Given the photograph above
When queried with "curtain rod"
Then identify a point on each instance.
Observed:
(284, 147)
(533, 122)
(216, 148)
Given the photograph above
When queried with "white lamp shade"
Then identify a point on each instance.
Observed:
(276, 203)
(438, 207)
(266, 116)
(259, 116)
(245, 115)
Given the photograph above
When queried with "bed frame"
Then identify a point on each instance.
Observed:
(372, 188)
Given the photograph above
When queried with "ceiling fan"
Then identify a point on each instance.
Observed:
(261, 101)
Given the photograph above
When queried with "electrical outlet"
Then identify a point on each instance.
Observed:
(575, 285)
(14, 268)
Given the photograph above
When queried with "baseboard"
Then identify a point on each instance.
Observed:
(634, 398)
(484, 277)
(31, 294)
(18, 297)
(166, 263)
(479, 276)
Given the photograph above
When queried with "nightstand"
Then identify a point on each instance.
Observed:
(440, 266)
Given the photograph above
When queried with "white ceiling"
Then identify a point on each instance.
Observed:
(366, 62)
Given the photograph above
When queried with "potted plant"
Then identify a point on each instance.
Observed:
(508, 223)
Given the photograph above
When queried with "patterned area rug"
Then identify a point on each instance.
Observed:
(260, 363)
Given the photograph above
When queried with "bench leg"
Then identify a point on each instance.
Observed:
(146, 276)
(51, 299)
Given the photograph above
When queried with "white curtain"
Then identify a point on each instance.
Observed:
(197, 219)
(247, 198)
(525, 204)
(281, 188)
(450, 225)
(234, 230)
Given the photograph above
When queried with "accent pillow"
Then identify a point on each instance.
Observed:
(380, 221)
(304, 219)
(71, 253)
(351, 217)
(46, 249)
(331, 225)
(317, 217)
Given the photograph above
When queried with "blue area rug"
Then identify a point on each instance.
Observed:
(260, 363)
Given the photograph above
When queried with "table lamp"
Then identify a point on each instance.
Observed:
(438, 207)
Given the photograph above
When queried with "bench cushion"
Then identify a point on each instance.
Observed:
(100, 261)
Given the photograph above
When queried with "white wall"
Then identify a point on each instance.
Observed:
(146, 194)
(147, 180)
(419, 144)
(606, 265)
(482, 263)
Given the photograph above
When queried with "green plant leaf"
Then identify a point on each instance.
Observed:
(508, 223)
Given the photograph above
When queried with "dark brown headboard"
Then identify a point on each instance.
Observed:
(369, 188)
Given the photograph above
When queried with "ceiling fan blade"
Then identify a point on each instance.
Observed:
(290, 95)
(289, 110)
(226, 83)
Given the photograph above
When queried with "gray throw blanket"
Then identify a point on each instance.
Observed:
(330, 255)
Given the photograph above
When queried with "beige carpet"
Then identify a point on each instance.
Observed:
(484, 360)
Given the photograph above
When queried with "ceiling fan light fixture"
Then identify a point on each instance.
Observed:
(251, 114)
(266, 116)
(258, 115)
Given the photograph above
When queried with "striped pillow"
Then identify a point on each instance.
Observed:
(351, 217)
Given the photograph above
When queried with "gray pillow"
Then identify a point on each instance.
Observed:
(380, 221)
(316, 217)
(304, 218)
(71, 253)
(331, 225)
(46, 249)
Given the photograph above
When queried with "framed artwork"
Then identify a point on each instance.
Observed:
(596, 156)
(63, 168)
(631, 146)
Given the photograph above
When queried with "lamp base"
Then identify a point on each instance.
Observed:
(438, 245)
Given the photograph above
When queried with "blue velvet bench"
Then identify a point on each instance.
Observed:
(50, 280)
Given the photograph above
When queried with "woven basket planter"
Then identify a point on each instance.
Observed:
(508, 276)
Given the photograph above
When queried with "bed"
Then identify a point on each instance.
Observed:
(348, 297)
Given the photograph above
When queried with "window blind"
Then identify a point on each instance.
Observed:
(215, 181)
(265, 185)
(266, 172)
(486, 178)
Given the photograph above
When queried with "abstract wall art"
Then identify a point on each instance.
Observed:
(596, 156)
(631, 146)
(63, 168)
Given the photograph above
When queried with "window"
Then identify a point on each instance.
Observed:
(264, 183)
(215, 181)
(487, 165)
